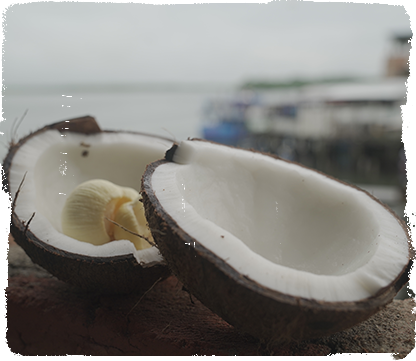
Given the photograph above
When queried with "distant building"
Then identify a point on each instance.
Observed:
(398, 60)
(350, 129)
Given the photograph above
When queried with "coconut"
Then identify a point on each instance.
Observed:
(280, 251)
(44, 168)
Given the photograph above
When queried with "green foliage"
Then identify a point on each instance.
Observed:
(295, 83)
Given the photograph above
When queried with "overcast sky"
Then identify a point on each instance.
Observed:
(221, 43)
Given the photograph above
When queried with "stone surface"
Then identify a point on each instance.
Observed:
(21, 265)
(47, 317)
(6, 239)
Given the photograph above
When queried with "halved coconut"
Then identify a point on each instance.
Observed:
(278, 250)
(42, 170)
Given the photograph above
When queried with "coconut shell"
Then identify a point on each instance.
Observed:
(116, 274)
(269, 315)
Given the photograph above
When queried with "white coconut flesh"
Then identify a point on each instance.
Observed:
(53, 164)
(285, 227)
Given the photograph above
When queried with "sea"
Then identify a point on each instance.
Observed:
(172, 111)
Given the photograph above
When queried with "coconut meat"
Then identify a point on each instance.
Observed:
(286, 227)
(52, 164)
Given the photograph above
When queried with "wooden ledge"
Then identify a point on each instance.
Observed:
(47, 317)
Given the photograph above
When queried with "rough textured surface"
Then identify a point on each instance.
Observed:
(21, 265)
(391, 330)
(47, 317)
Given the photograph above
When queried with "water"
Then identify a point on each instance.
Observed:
(174, 113)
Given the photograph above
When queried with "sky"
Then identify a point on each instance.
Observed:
(57, 42)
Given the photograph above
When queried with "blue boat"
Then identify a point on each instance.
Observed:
(224, 120)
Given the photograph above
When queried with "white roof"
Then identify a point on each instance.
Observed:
(387, 89)
(382, 90)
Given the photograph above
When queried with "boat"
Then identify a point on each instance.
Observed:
(225, 120)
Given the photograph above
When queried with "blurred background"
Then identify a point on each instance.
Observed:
(317, 83)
